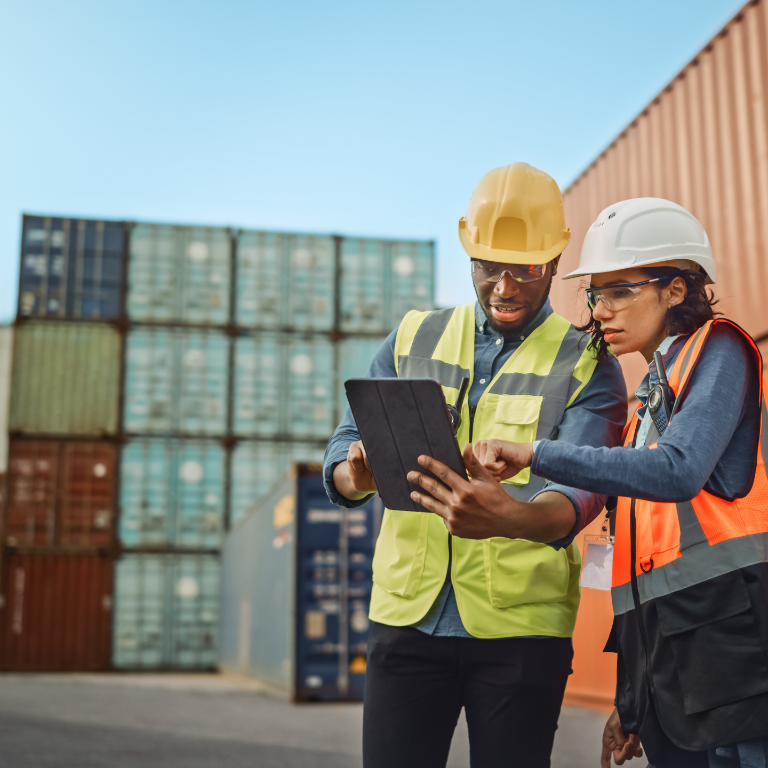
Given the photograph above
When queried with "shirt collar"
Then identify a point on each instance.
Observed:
(481, 322)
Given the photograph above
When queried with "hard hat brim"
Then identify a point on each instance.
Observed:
(484, 253)
(601, 268)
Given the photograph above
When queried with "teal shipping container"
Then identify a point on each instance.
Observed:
(179, 274)
(65, 379)
(176, 381)
(285, 281)
(381, 280)
(356, 358)
(172, 494)
(258, 465)
(165, 612)
(284, 386)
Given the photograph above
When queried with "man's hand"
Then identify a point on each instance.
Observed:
(472, 509)
(502, 458)
(617, 744)
(353, 478)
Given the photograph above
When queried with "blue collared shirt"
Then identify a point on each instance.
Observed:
(595, 418)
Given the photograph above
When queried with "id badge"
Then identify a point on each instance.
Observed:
(597, 563)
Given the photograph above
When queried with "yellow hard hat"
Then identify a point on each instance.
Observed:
(515, 216)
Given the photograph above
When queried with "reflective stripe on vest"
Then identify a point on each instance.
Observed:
(685, 543)
(503, 587)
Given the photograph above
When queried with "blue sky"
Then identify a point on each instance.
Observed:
(354, 118)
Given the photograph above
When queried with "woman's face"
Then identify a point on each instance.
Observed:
(639, 325)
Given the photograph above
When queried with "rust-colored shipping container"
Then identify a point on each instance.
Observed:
(55, 612)
(60, 494)
(703, 143)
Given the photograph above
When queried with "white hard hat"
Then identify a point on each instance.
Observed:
(643, 232)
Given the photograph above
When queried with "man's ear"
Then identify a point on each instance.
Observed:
(554, 264)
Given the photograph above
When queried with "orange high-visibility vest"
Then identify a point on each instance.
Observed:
(695, 656)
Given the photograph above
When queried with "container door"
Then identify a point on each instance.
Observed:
(55, 614)
(333, 586)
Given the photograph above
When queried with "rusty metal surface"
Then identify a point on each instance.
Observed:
(55, 615)
(703, 143)
(60, 494)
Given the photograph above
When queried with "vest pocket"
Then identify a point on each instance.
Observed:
(716, 645)
(518, 572)
(517, 418)
(401, 551)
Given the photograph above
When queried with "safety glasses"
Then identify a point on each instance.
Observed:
(492, 271)
(616, 297)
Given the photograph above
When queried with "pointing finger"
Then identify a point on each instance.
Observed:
(476, 470)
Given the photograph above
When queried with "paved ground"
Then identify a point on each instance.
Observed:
(206, 721)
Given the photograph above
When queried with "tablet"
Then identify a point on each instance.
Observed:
(400, 420)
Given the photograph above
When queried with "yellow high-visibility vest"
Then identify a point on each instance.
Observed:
(504, 587)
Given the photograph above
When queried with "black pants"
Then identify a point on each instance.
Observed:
(416, 685)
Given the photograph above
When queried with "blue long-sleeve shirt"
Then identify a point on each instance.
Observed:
(711, 442)
(595, 418)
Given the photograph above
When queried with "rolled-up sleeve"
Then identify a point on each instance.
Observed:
(595, 419)
(382, 367)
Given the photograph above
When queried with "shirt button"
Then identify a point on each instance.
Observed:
(482, 381)
(522, 338)
(498, 341)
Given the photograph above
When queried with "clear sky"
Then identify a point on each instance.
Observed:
(366, 118)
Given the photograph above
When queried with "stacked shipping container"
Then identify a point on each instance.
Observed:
(164, 378)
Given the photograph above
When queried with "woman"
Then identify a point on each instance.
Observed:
(690, 567)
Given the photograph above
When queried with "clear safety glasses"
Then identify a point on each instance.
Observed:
(492, 271)
(616, 297)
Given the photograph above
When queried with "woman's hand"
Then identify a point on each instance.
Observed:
(617, 744)
(504, 459)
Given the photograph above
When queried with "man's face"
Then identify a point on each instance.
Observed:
(510, 305)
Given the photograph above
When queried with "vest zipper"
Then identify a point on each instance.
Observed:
(636, 597)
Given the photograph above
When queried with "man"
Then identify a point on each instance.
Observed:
(484, 622)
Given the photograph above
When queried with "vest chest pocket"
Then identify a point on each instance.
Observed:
(517, 419)
(401, 550)
(518, 572)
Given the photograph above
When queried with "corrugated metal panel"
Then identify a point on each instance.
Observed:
(65, 379)
(703, 143)
(55, 615)
(166, 612)
(176, 380)
(60, 494)
(172, 494)
(258, 465)
(356, 358)
(6, 359)
(285, 281)
(382, 280)
(179, 274)
(71, 268)
(284, 386)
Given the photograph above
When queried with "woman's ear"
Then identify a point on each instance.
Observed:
(676, 292)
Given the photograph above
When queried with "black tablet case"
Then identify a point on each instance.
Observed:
(400, 420)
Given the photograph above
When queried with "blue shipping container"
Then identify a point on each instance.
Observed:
(284, 386)
(172, 494)
(71, 268)
(285, 281)
(166, 612)
(176, 381)
(356, 358)
(296, 585)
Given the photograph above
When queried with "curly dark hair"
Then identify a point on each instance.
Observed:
(687, 317)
